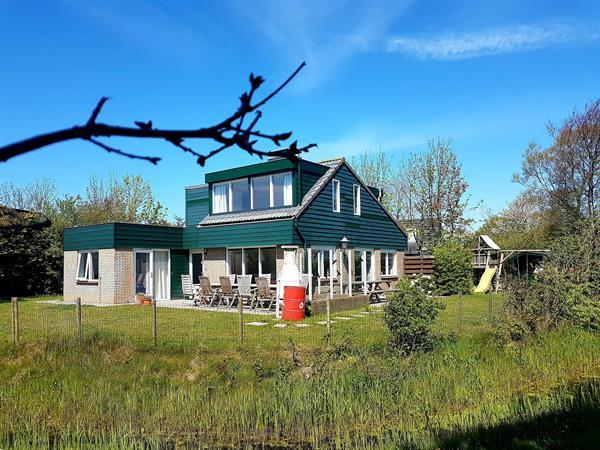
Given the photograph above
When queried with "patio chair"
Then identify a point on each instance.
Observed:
(264, 295)
(207, 294)
(189, 293)
(231, 279)
(245, 291)
(228, 294)
(267, 276)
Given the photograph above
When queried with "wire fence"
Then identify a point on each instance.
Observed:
(163, 327)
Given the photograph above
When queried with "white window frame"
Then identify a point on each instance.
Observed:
(389, 271)
(356, 198)
(243, 249)
(88, 266)
(335, 195)
(229, 197)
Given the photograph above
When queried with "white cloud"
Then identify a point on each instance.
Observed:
(324, 34)
(455, 46)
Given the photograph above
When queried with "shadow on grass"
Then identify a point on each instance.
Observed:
(573, 422)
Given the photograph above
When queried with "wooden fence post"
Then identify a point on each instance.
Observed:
(154, 324)
(328, 319)
(490, 312)
(79, 328)
(460, 306)
(15, 319)
(241, 311)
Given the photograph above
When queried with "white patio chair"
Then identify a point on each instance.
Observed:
(189, 293)
(245, 291)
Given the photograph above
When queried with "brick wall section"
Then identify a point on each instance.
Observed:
(102, 292)
(116, 278)
(215, 263)
(124, 276)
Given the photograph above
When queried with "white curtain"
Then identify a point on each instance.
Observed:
(161, 275)
(287, 189)
(220, 198)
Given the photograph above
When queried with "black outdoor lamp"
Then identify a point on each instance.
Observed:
(344, 243)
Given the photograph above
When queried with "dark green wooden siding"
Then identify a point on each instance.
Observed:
(264, 168)
(122, 235)
(373, 228)
(196, 205)
(148, 236)
(179, 266)
(310, 174)
(89, 237)
(241, 234)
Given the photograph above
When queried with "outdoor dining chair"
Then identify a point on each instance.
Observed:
(227, 294)
(264, 295)
(189, 293)
(245, 291)
(207, 293)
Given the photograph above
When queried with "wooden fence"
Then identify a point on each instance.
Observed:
(418, 265)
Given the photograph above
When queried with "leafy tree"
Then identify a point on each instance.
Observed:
(522, 223)
(566, 175)
(452, 271)
(409, 316)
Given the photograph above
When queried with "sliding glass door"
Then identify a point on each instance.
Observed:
(152, 273)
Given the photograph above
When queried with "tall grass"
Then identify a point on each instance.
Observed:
(469, 390)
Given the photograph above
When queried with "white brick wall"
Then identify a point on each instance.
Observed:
(116, 278)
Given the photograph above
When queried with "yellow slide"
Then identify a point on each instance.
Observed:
(486, 280)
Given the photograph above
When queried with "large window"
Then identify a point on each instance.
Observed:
(87, 266)
(335, 195)
(358, 261)
(356, 197)
(240, 195)
(388, 262)
(262, 192)
(253, 261)
(321, 263)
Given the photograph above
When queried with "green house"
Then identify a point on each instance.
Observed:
(239, 223)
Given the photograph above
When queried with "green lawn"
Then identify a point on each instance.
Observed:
(287, 386)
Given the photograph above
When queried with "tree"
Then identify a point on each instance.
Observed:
(129, 199)
(453, 272)
(566, 175)
(522, 223)
(375, 170)
(235, 130)
(431, 191)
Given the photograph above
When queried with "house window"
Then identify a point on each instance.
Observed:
(197, 266)
(261, 192)
(221, 198)
(253, 261)
(388, 262)
(320, 263)
(255, 193)
(356, 196)
(282, 190)
(87, 266)
(335, 195)
(240, 195)
(358, 261)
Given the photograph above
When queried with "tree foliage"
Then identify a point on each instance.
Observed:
(427, 190)
(409, 316)
(129, 199)
(566, 175)
(452, 271)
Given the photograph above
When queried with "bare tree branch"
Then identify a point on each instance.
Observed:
(228, 133)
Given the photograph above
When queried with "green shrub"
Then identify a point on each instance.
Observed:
(452, 273)
(409, 316)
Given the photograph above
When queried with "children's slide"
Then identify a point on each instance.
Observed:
(486, 280)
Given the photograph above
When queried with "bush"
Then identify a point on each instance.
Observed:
(409, 316)
(565, 289)
(452, 273)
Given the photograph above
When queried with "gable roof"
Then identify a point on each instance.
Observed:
(293, 212)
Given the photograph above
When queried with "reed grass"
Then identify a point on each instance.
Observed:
(199, 389)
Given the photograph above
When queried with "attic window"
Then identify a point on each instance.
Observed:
(356, 198)
(335, 195)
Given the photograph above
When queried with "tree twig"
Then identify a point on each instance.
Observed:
(225, 133)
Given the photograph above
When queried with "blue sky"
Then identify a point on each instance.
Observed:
(380, 75)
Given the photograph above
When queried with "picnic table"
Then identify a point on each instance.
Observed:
(377, 289)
